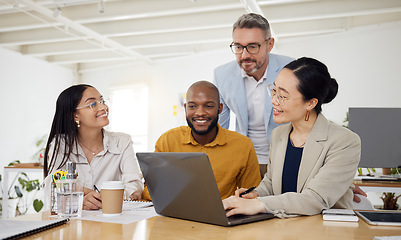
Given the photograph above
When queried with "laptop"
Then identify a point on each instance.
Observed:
(385, 218)
(182, 185)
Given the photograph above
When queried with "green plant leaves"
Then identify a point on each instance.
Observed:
(37, 205)
(395, 170)
(12, 163)
(29, 185)
(18, 191)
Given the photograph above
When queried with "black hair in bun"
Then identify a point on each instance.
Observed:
(314, 81)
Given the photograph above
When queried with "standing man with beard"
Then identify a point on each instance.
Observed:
(231, 155)
(243, 83)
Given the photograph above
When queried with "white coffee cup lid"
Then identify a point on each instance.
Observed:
(113, 185)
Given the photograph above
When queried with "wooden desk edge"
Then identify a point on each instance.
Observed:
(20, 167)
(377, 183)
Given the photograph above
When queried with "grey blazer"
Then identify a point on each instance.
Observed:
(329, 161)
(231, 85)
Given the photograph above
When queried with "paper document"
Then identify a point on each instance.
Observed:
(126, 217)
(133, 211)
(131, 205)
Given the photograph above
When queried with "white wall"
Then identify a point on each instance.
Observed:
(364, 61)
(167, 80)
(29, 88)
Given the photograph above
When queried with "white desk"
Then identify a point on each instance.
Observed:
(7, 170)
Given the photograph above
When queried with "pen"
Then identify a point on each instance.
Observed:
(95, 188)
(247, 191)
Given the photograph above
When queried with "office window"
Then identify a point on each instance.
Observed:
(129, 114)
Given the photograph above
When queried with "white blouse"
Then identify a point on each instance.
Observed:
(117, 162)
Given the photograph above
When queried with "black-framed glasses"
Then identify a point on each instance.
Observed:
(252, 48)
(94, 105)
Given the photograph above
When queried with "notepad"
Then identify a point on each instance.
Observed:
(343, 215)
(131, 205)
(11, 229)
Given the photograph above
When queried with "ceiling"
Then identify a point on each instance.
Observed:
(87, 35)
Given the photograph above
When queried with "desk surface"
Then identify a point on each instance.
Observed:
(311, 227)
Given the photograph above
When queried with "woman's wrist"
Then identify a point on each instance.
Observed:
(261, 207)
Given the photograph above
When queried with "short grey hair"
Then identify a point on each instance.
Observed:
(253, 20)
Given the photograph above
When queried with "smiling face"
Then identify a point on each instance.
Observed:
(253, 64)
(293, 107)
(86, 116)
(202, 109)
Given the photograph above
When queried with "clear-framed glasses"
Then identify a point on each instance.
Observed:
(273, 93)
(94, 105)
(252, 48)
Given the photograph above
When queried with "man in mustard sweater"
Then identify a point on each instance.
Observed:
(232, 155)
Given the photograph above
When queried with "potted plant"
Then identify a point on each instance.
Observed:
(390, 199)
(20, 193)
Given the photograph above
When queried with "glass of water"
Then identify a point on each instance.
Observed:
(70, 197)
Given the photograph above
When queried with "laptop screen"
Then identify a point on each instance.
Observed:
(182, 185)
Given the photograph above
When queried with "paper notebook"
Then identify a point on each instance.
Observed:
(11, 229)
(343, 215)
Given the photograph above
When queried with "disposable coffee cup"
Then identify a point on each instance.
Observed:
(112, 198)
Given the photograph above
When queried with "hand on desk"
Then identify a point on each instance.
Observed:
(357, 190)
(92, 200)
(247, 204)
(137, 195)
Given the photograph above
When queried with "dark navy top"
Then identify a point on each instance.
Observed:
(292, 161)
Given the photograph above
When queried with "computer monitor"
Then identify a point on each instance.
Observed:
(380, 133)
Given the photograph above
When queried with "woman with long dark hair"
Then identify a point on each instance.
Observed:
(78, 135)
(312, 161)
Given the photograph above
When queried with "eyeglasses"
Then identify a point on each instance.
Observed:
(94, 105)
(252, 48)
(271, 90)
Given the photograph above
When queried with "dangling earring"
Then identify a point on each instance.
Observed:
(78, 125)
(307, 115)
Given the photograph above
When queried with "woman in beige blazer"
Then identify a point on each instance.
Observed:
(312, 162)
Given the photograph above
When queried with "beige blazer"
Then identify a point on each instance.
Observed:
(329, 162)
